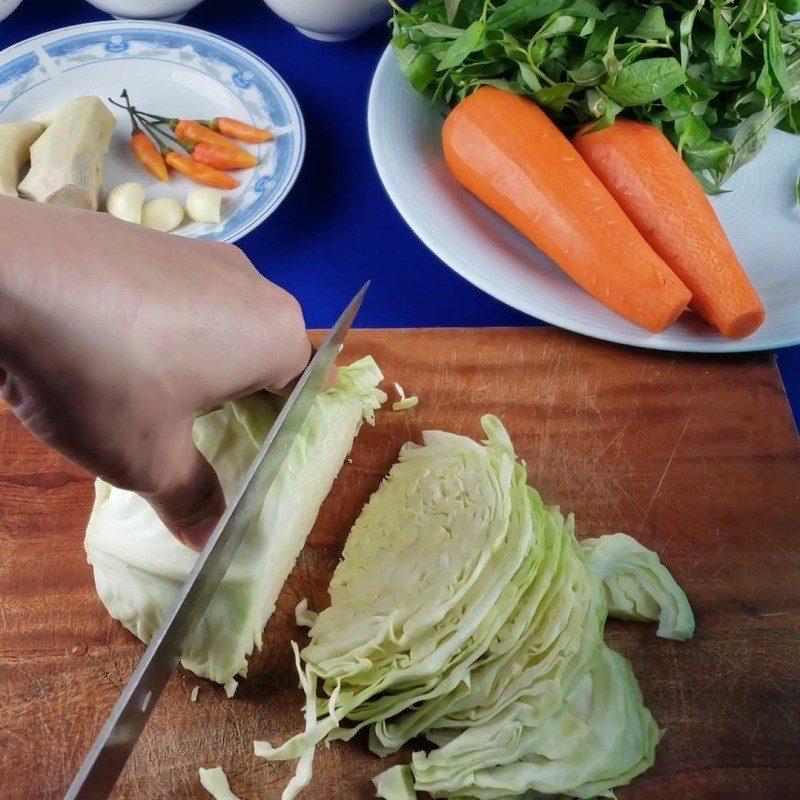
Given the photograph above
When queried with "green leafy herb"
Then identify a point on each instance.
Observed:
(777, 59)
(715, 75)
(643, 82)
(797, 190)
(554, 97)
(751, 136)
(515, 13)
(465, 44)
(653, 26)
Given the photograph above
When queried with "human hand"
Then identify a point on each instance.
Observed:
(112, 336)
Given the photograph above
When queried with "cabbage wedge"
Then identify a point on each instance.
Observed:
(465, 610)
(138, 565)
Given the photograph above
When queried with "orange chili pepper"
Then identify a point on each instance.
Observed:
(222, 157)
(193, 131)
(200, 173)
(148, 155)
(240, 130)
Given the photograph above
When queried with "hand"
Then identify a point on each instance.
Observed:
(112, 336)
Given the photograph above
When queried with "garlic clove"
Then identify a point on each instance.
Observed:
(204, 204)
(162, 214)
(125, 201)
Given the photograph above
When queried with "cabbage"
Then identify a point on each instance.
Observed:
(396, 783)
(139, 566)
(602, 736)
(464, 609)
(215, 782)
(638, 586)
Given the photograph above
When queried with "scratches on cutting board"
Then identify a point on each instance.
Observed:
(667, 465)
(778, 546)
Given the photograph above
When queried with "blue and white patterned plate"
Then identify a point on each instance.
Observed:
(171, 70)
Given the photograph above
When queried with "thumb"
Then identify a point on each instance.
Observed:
(191, 500)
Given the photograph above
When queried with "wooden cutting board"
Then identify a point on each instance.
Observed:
(697, 457)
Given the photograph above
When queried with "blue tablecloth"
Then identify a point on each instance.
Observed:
(337, 227)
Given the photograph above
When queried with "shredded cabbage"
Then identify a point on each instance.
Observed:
(403, 403)
(464, 609)
(304, 617)
(139, 566)
(215, 782)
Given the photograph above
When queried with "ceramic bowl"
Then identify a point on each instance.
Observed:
(7, 7)
(331, 20)
(164, 10)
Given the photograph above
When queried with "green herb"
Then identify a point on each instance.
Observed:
(797, 190)
(715, 75)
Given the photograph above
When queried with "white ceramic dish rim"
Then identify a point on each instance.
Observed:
(292, 105)
(496, 289)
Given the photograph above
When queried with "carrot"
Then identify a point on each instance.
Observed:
(648, 178)
(200, 173)
(506, 151)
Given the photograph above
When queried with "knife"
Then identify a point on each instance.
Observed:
(110, 751)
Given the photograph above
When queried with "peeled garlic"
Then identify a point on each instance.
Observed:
(125, 201)
(204, 204)
(163, 214)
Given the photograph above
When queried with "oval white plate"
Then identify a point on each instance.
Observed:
(171, 70)
(758, 215)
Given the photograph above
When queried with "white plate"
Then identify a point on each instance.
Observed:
(758, 215)
(171, 70)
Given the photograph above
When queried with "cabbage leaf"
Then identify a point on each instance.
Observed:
(638, 586)
(139, 566)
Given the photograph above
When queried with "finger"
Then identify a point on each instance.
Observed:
(330, 381)
(268, 350)
(285, 345)
(191, 500)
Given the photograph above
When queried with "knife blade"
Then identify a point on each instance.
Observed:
(102, 766)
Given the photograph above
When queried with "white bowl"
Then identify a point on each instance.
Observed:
(164, 10)
(7, 7)
(331, 20)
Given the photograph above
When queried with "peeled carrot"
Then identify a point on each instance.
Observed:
(506, 151)
(648, 178)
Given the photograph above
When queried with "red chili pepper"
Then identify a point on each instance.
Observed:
(237, 129)
(200, 173)
(193, 131)
(222, 157)
(148, 156)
